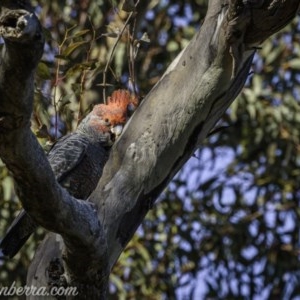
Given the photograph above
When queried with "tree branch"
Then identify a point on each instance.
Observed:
(179, 112)
(42, 197)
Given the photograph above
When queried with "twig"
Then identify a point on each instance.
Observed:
(84, 72)
(113, 50)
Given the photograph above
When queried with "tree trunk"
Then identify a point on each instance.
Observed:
(163, 133)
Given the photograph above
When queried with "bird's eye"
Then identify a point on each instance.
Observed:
(112, 137)
(106, 120)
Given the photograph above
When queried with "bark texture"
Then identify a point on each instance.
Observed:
(181, 110)
(167, 128)
(86, 262)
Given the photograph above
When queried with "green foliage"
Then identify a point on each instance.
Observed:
(228, 225)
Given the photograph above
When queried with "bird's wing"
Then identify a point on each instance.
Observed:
(66, 154)
(17, 234)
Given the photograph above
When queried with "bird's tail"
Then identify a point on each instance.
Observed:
(17, 234)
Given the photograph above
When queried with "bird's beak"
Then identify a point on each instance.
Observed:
(117, 130)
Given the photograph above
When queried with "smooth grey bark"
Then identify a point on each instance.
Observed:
(167, 128)
(180, 111)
